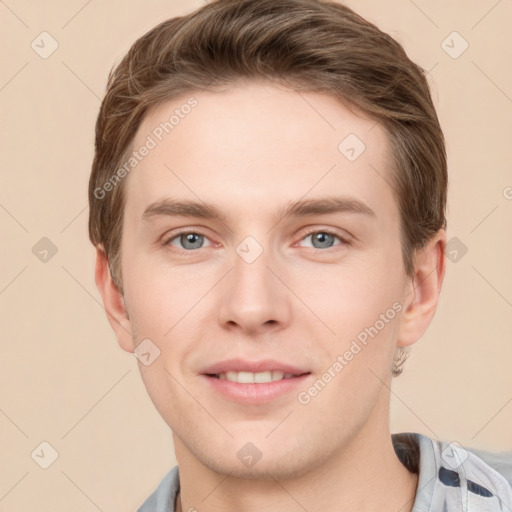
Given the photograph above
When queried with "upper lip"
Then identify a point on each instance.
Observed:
(242, 365)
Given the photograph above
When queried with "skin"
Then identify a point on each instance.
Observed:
(250, 151)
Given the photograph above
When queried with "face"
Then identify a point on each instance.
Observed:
(255, 247)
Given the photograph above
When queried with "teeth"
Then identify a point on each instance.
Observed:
(259, 378)
(252, 378)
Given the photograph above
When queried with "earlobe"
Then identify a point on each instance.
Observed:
(422, 299)
(113, 302)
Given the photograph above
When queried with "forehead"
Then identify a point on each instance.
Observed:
(258, 142)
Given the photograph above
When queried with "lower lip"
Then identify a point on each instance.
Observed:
(256, 393)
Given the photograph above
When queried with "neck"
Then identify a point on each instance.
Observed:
(366, 476)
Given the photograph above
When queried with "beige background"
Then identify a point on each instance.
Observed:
(63, 378)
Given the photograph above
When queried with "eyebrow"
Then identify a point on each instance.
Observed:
(301, 208)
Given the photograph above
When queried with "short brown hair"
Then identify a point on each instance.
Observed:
(306, 45)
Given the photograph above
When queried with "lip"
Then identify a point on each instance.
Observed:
(253, 394)
(243, 365)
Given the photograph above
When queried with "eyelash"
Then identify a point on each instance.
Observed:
(168, 241)
(330, 232)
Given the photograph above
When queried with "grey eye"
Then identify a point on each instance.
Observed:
(191, 241)
(321, 240)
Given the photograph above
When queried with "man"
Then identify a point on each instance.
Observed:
(268, 205)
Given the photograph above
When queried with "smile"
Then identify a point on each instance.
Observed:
(254, 378)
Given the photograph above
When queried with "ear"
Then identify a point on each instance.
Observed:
(425, 286)
(113, 302)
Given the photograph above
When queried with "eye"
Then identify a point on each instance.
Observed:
(188, 241)
(323, 239)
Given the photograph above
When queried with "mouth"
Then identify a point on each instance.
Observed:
(254, 378)
(254, 382)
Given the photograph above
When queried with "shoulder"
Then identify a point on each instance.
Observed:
(499, 461)
(451, 476)
(410, 447)
(162, 498)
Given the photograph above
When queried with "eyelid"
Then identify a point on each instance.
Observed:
(169, 237)
(344, 239)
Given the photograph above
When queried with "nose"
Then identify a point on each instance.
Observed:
(254, 299)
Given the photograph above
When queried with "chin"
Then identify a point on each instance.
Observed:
(271, 466)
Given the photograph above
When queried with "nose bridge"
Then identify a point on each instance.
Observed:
(253, 298)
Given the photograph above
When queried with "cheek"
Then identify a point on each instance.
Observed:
(349, 299)
(358, 360)
(362, 306)
(158, 296)
(170, 307)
